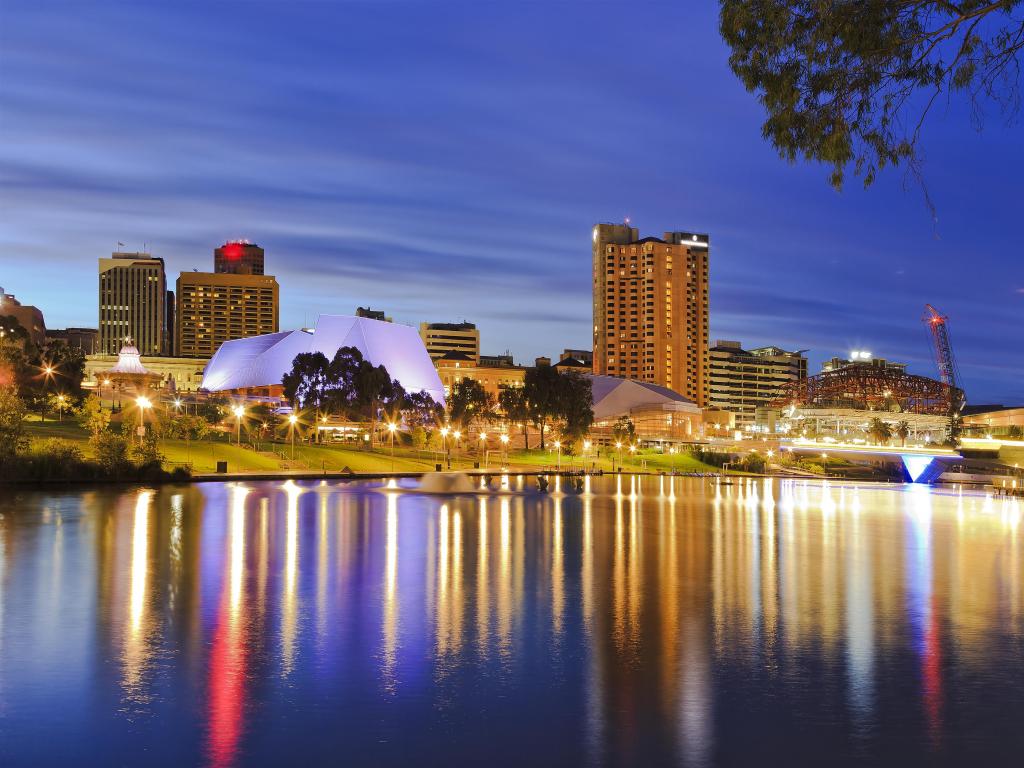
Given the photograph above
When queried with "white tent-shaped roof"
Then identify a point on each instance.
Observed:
(261, 361)
(614, 397)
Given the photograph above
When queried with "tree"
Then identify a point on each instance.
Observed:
(421, 410)
(880, 431)
(575, 404)
(516, 406)
(93, 416)
(902, 431)
(111, 451)
(541, 386)
(306, 384)
(13, 439)
(212, 410)
(469, 400)
(1014, 432)
(624, 430)
(373, 389)
(342, 379)
(850, 84)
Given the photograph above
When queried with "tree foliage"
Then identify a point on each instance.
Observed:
(879, 430)
(624, 430)
(13, 438)
(468, 401)
(516, 407)
(849, 84)
(93, 416)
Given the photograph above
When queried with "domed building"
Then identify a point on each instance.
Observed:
(129, 374)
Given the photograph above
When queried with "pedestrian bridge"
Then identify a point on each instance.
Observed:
(920, 465)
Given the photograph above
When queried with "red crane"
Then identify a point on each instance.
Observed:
(937, 324)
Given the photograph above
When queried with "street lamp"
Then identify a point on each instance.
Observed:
(444, 446)
(239, 412)
(824, 464)
(143, 403)
(504, 448)
(483, 447)
(391, 428)
(292, 421)
(558, 447)
(618, 452)
(60, 407)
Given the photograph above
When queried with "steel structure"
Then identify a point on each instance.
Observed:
(944, 360)
(868, 388)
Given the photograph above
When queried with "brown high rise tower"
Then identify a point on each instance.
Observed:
(651, 308)
(238, 257)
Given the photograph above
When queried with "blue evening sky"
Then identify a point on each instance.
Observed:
(446, 161)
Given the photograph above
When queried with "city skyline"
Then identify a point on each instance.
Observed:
(384, 186)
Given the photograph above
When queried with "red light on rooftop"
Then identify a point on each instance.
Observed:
(232, 251)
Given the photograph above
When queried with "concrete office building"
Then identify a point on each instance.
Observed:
(28, 317)
(218, 307)
(650, 308)
(238, 257)
(442, 338)
(741, 381)
(133, 303)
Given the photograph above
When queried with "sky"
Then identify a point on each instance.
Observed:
(446, 161)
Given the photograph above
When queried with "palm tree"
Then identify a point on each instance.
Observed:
(902, 431)
(879, 430)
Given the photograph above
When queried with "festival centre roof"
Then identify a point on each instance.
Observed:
(615, 397)
(261, 361)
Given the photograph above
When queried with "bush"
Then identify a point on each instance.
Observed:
(112, 454)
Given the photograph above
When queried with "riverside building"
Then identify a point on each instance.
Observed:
(650, 308)
(743, 381)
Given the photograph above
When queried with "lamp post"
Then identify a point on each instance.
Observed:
(47, 377)
(143, 403)
(444, 446)
(558, 447)
(586, 450)
(292, 420)
(618, 452)
(239, 412)
(60, 407)
(391, 429)
(458, 436)
(824, 464)
(483, 447)
(632, 452)
(504, 448)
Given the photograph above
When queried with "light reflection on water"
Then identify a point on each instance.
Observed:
(644, 620)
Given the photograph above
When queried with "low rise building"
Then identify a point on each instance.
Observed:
(177, 374)
(85, 339)
(456, 366)
(28, 317)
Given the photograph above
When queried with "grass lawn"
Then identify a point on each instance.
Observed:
(203, 456)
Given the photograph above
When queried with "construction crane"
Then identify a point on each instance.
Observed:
(937, 325)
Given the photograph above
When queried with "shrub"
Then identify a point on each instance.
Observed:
(112, 454)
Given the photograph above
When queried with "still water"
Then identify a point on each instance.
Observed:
(646, 621)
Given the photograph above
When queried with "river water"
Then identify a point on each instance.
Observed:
(644, 621)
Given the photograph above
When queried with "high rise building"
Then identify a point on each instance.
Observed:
(741, 381)
(238, 257)
(441, 338)
(132, 302)
(214, 308)
(651, 308)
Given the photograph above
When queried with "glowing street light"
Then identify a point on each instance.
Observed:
(61, 401)
(292, 421)
(391, 428)
(618, 452)
(483, 447)
(558, 447)
(143, 403)
(239, 411)
(444, 445)
(504, 448)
